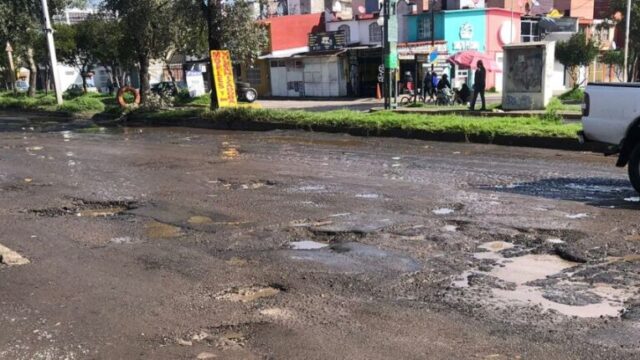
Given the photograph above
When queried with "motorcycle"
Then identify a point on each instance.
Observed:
(245, 92)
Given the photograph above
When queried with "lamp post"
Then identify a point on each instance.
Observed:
(52, 51)
(12, 69)
(626, 42)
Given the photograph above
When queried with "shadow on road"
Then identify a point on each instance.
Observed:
(602, 192)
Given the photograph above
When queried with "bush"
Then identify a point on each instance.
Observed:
(551, 113)
(82, 104)
(576, 94)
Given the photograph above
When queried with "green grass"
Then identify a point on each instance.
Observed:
(576, 95)
(83, 104)
(467, 125)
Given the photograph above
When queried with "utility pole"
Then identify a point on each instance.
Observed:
(386, 51)
(52, 51)
(12, 68)
(626, 42)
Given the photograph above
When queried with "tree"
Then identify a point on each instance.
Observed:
(576, 52)
(227, 25)
(634, 33)
(20, 23)
(614, 58)
(147, 27)
(75, 46)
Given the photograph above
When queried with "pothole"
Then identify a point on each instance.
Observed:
(541, 280)
(244, 185)
(249, 293)
(158, 230)
(307, 245)
(85, 208)
(200, 220)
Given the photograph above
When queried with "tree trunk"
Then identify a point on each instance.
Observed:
(144, 79)
(213, 16)
(33, 72)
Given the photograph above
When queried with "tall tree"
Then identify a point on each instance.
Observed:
(76, 46)
(20, 22)
(620, 6)
(227, 25)
(576, 52)
(147, 27)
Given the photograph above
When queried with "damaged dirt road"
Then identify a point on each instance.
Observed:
(191, 244)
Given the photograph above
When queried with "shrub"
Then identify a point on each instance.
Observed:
(551, 113)
(82, 104)
(576, 94)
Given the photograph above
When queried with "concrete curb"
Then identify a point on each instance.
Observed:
(244, 125)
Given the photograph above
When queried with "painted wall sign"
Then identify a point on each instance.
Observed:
(223, 77)
(466, 31)
(330, 40)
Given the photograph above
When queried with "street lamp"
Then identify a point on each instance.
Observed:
(626, 42)
(52, 51)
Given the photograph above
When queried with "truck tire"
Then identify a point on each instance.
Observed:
(634, 168)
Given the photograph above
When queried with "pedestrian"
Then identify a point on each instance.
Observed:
(444, 83)
(434, 82)
(427, 85)
(479, 83)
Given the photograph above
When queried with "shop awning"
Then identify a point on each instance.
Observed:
(282, 54)
(321, 53)
(469, 60)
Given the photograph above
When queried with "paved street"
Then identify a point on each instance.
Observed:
(170, 243)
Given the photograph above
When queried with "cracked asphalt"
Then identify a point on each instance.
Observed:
(173, 243)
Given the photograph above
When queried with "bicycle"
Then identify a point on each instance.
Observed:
(407, 99)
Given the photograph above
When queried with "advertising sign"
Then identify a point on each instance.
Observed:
(195, 83)
(223, 76)
(331, 40)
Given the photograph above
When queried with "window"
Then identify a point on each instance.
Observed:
(253, 76)
(375, 33)
(529, 31)
(347, 32)
(424, 28)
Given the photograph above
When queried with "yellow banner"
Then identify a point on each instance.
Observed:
(223, 75)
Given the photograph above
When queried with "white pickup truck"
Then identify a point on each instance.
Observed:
(611, 115)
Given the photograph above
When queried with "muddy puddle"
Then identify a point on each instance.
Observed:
(353, 257)
(157, 230)
(543, 281)
(248, 293)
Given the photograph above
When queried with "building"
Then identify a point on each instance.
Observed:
(71, 16)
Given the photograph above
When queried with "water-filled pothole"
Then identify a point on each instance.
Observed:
(249, 293)
(544, 281)
(87, 208)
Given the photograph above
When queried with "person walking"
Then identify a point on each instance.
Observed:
(427, 85)
(479, 83)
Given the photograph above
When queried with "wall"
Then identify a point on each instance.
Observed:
(289, 32)
(543, 7)
(454, 20)
(578, 8)
(324, 77)
(498, 23)
(412, 26)
(359, 30)
(529, 71)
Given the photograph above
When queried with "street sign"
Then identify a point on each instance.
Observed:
(223, 77)
(391, 60)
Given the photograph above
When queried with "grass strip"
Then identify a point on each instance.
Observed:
(383, 120)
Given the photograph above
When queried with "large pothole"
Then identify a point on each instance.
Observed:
(87, 208)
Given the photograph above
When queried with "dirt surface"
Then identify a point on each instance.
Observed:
(171, 243)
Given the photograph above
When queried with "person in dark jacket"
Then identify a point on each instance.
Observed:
(479, 83)
(444, 82)
(427, 85)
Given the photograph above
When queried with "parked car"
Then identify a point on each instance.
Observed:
(166, 88)
(22, 86)
(611, 115)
